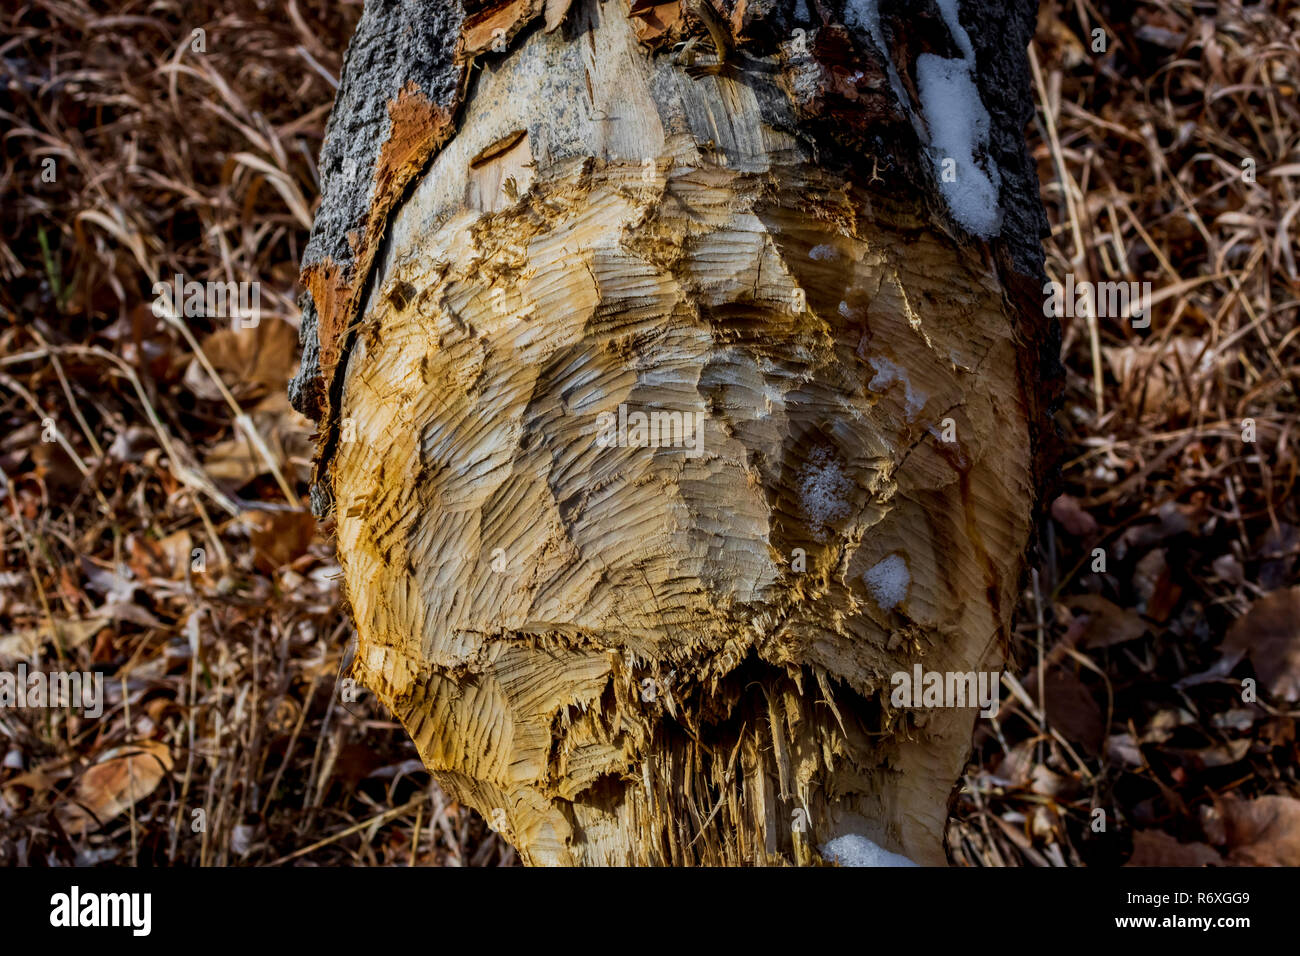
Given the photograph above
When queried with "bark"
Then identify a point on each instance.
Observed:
(534, 214)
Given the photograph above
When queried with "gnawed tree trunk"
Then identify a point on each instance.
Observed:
(808, 233)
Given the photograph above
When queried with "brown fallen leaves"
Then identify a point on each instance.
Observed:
(251, 362)
(120, 778)
(1264, 831)
(1260, 832)
(145, 532)
(279, 538)
(1269, 636)
(1157, 848)
(1103, 623)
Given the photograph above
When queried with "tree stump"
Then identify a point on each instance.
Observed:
(682, 374)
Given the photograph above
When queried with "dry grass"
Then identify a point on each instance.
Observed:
(1140, 151)
(168, 160)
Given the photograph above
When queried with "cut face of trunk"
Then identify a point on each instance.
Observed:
(662, 447)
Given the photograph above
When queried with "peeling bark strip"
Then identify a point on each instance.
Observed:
(416, 128)
(493, 28)
(676, 402)
(400, 88)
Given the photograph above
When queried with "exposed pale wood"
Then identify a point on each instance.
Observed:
(639, 674)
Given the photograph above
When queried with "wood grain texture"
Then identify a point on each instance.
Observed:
(630, 654)
(410, 63)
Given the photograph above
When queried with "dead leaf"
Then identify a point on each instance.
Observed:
(554, 12)
(1264, 831)
(1229, 570)
(279, 537)
(132, 444)
(1108, 623)
(1269, 634)
(39, 779)
(1017, 766)
(178, 548)
(1164, 722)
(22, 645)
(236, 461)
(1076, 521)
(251, 362)
(120, 778)
(1239, 720)
(1277, 551)
(1157, 848)
(129, 611)
(1153, 581)
(1072, 709)
(1203, 758)
(1275, 732)
(145, 557)
(1123, 749)
(1152, 376)
(1169, 520)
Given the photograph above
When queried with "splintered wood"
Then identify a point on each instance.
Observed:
(661, 450)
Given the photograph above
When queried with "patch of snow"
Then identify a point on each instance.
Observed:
(952, 17)
(887, 373)
(865, 15)
(888, 581)
(956, 124)
(852, 849)
(959, 130)
(959, 126)
(823, 492)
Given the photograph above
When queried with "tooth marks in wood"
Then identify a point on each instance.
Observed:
(625, 653)
(424, 47)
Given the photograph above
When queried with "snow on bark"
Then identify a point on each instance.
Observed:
(959, 132)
